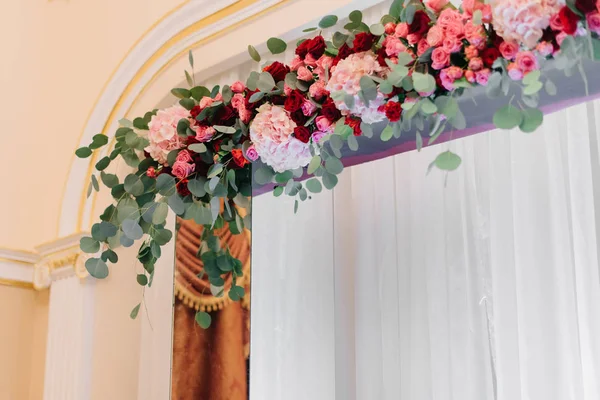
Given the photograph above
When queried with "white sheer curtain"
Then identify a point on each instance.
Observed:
(479, 284)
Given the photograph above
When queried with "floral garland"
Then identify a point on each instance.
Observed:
(195, 157)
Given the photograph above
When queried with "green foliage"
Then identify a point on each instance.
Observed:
(96, 268)
(134, 313)
(448, 161)
(508, 117)
(328, 21)
(203, 319)
(276, 45)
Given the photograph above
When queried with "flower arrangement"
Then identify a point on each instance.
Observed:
(195, 157)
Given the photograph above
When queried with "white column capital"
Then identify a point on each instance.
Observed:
(59, 259)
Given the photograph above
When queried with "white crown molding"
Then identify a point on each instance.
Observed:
(16, 267)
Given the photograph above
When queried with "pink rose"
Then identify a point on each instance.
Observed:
(470, 76)
(204, 133)
(151, 172)
(182, 170)
(422, 47)
(323, 124)
(455, 29)
(475, 34)
(317, 90)
(304, 74)
(435, 5)
(402, 30)
(476, 64)
(451, 45)
(318, 136)
(325, 62)
(509, 50)
(435, 36)
(448, 16)
(470, 6)
(245, 114)
(413, 38)
(390, 28)
(486, 13)
(514, 72)
(545, 48)
(308, 108)
(527, 61)
(593, 20)
(251, 153)
(184, 156)
(560, 37)
(393, 46)
(447, 81)
(206, 102)
(440, 58)
(310, 61)
(471, 52)
(296, 63)
(483, 76)
(238, 87)
(454, 73)
(238, 101)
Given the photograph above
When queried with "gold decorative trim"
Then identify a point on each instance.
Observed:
(68, 260)
(16, 284)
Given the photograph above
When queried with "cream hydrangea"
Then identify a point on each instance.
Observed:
(345, 77)
(271, 132)
(523, 21)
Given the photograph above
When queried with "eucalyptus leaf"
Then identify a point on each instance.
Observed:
(264, 175)
(165, 185)
(160, 214)
(314, 164)
(276, 45)
(132, 229)
(508, 117)
(328, 21)
(387, 133)
(329, 180)
(314, 185)
(83, 152)
(203, 319)
(89, 245)
(133, 185)
(532, 119)
(96, 268)
(253, 53)
(447, 161)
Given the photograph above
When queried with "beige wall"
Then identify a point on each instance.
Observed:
(23, 322)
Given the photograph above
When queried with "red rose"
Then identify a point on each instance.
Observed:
(277, 70)
(217, 145)
(354, 123)
(226, 115)
(299, 118)
(363, 42)
(315, 47)
(195, 111)
(489, 55)
(330, 111)
(568, 19)
(585, 6)
(343, 53)
(238, 157)
(182, 188)
(302, 133)
(393, 111)
(381, 56)
(420, 23)
(294, 101)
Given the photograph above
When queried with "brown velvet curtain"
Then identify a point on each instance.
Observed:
(209, 364)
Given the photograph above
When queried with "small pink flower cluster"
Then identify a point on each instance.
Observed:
(238, 101)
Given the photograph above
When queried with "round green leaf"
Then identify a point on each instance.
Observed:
(165, 184)
(334, 166)
(132, 229)
(278, 191)
(532, 119)
(197, 148)
(196, 187)
(447, 161)
(264, 175)
(428, 107)
(133, 185)
(253, 53)
(203, 319)
(96, 268)
(508, 117)
(377, 29)
(329, 180)
(328, 21)
(276, 45)
(160, 214)
(551, 88)
(142, 280)
(127, 209)
(314, 164)
(109, 255)
(314, 185)
(533, 88)
(109, 180)
(162, 236)
(387, 133)
(423, 82)
(89, 245)
(181, 93)
(356, 16)
(83, 152)
(177, 204)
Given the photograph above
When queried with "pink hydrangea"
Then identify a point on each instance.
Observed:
(272, 134)
(345, 77)
(162, 132)
(523, 21)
